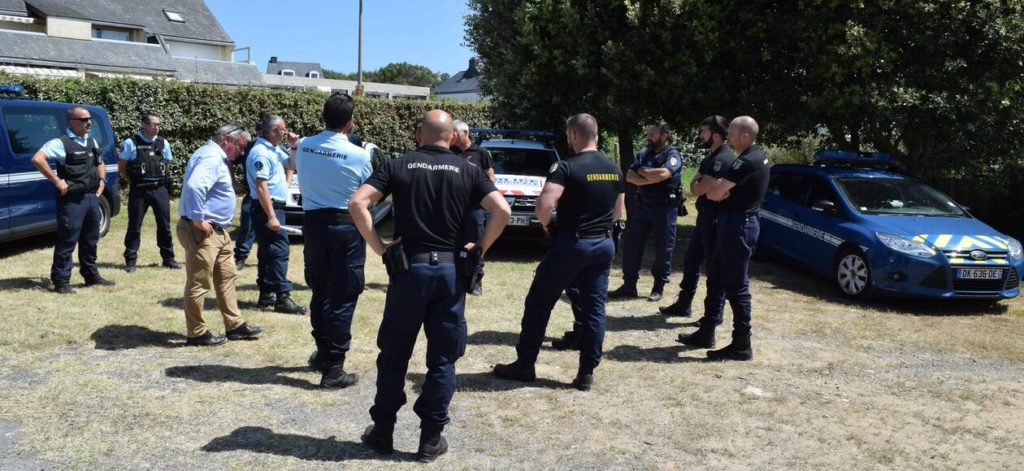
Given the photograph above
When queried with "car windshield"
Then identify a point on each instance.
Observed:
(512, 161)
(897, 196)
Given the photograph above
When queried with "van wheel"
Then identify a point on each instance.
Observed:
(104, 215)
(852, 274)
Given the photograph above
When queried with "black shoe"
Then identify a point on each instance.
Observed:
(266, 300)
(379, 438)
(171, 263)
(734, 352)
(244, 332)
(285, 305)
(676, 309)
(477, 290)
(567, 342)
(336, 378)
(129, 266)
(63, 288)
(206, 340)
(316, 364)
(656, 291)
(627, 290)
(239, 265)
(701, 338)
(99, 281)
(432, 444)
(517, 371)
(583, 381)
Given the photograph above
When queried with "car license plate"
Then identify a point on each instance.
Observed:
(519, 221)
(981, 274)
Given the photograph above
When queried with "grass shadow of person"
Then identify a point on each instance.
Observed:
(667, 354)
(25, 283)
(267, 375)
(265, 440)
(487, 382)
(126, 337)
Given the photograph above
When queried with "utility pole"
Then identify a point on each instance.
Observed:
(360, 91)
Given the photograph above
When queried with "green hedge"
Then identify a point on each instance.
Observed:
(191, 112)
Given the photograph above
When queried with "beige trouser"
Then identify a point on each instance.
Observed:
(208, 259)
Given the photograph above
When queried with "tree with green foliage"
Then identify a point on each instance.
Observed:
(401, 73)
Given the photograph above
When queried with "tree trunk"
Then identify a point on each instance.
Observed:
(625, 160)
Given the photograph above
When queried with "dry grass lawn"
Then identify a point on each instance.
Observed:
(101, 380)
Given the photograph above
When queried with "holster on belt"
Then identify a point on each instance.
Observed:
(618, 227)
(395, 260)
(469, 264)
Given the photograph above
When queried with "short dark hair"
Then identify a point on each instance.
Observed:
(583, 124)
(717, 124)
(663, 127)
(146, 116)
(338, 110)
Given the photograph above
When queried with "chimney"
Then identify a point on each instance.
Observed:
(273, 59)
(471, 71)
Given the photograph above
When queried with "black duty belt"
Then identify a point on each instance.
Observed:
(594, 234)
(649, 200)
(329, 216)
(218, 227)
(432, 258)
(147, 185)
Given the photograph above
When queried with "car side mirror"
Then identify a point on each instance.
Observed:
(825, 206)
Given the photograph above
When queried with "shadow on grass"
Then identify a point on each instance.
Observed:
(493, 337)
(126, 337)
(487, 382)
(265, 440)
(382, 287)
(233, 374)
(648, 322)
(18, 247)
(296, 286)
(24, 283)
(785, 275)
(667, 354)
(210, 303)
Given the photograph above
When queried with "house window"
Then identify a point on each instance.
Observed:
(288, 72)
(174, 16)
(114, 34)
(314, 74)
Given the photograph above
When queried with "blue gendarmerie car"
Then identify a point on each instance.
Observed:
(877, 231)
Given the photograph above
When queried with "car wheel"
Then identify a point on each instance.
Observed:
(104, 215)
(852, 274)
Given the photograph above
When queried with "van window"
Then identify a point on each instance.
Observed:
(29, 128)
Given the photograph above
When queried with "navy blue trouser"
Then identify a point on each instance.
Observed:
(737, 237)
(140, 199)
(245, 236)
(584, 264)
(272, 254)
(431, 296)
(334, 257)
(78, 223)
(643, 219)
(694, 258)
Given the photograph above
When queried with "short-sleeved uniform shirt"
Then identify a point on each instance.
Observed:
(54, 148)
(330, 170)
(750, 174)
(266, 162)
(128, 150)
(668, 158)
(592, 184)
(432, 189)
(478, 156)
(714, 165)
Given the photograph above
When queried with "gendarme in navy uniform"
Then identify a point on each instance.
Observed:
(331, 168)
(79, 181)
(431, 189)
(739, 192)
(703, 240)
(144, 161)
(588, 190)
(655, 172)
(480, 157)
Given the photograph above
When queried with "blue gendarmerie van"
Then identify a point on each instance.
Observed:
(28, 202)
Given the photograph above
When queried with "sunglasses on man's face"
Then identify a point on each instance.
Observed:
(84, 120)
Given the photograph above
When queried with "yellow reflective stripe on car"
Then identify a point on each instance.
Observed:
(943, 240)
(995, 241)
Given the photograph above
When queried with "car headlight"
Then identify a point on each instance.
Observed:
(1015, 249)
(904, 245)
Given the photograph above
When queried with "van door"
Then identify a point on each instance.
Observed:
(31, 197)
(5, 169)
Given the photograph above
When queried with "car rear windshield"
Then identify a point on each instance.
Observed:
(897, 196)
(511, 161)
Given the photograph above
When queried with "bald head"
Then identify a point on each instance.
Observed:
(435, 129)
(742, 133)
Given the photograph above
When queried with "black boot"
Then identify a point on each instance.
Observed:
(656, 291)
(379, 438)
(517, 370)
(704, 337)
(680, 308)
(738, 350)
(266, 300)
(432, 443)
(627, 290)
(285, 305)
(584, 380)
(335, 377)
(317, 363)
(567, 342)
